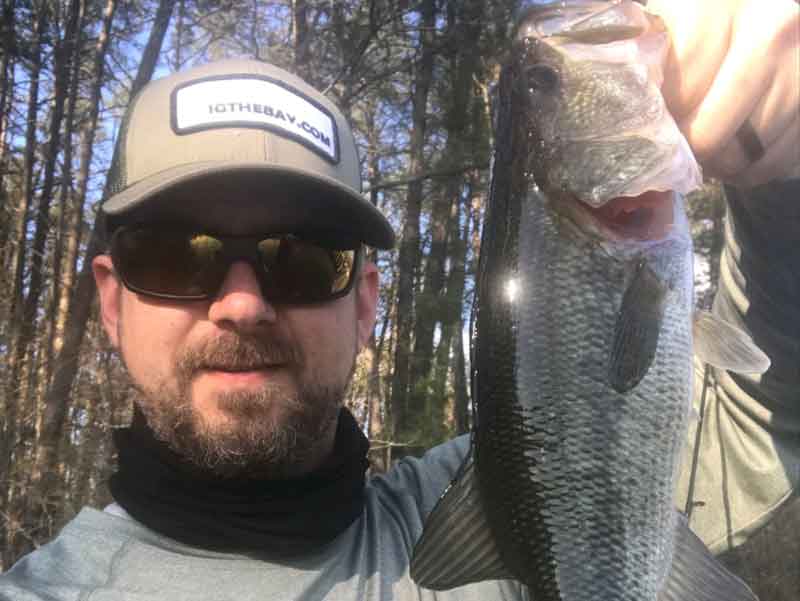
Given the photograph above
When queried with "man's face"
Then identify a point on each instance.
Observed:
(236, 384)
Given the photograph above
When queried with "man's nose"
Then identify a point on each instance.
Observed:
(239, 302)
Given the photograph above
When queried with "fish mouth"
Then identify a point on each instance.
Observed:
(650, 216)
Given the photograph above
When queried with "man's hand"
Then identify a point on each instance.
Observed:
(732, 81)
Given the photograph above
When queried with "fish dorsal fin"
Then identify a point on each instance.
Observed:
(457, 547)
(637, 329)
(723, 345)
(696, 575)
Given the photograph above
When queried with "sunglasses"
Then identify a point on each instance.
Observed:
(182, 264)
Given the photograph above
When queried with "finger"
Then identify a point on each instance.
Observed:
(780, 104)
(740, 152)
(764, 43)
(782, 159)
(731, 160)
(696, 50)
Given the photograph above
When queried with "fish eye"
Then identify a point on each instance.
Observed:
(542, 78)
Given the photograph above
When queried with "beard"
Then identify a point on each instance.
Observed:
(270, 433)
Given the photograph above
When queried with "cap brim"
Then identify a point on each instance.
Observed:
(247, 198)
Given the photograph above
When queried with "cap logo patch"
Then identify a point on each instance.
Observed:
(257, 102)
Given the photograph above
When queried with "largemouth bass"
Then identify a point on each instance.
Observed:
(582, 348)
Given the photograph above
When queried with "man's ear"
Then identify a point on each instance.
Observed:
(366, 301)
(109, 291)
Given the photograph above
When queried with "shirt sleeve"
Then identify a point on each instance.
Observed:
(424, 479)
(67, 568)
(748, 460)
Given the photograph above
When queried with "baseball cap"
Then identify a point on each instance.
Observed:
(241, 147)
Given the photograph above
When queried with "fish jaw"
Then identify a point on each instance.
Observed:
(594, 109)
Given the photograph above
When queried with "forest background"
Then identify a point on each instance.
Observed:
(414, 77)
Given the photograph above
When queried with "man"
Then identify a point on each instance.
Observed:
(237, 293)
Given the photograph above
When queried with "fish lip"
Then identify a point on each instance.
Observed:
(654, 209)
(543, 19)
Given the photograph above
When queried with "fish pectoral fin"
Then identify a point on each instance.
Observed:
(457, 547)
(696, 575)
(723, 345)
(637, 329)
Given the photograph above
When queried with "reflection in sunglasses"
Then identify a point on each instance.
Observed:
(183, 264)
(205, 246)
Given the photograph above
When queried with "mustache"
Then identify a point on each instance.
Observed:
(238, 352)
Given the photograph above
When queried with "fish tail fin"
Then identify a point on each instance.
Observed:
(457, 546)
(696, 575)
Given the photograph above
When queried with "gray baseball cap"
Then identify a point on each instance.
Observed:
(241, 147)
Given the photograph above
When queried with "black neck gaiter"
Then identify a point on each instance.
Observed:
(278, 518)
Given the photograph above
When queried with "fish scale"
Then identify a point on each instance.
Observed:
(602, 517)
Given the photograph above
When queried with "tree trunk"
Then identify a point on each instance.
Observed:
(300, 37)
(10, 415)
(8, 198)
(68, 209)
(409, 256)
(18, 250)
(375, 426)
(66, 363)
(74, 226)
(453, 318)
(7, 43)
(428, 306)
(22, 371)
(464, 29)
(61, 69)
(461, 413)
(179, 27)
(96, 405)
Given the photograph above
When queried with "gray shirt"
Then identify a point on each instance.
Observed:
(106, 555)
(749, 455)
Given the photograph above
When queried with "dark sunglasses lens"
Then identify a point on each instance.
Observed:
(300, 271)
(173, 264)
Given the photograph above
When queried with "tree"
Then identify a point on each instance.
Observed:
(409, 256)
